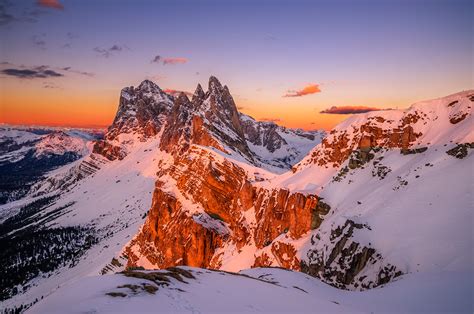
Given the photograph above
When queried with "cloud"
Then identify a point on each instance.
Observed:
(5, 17)
(38, 41)
(274, 120)
(52, 4)
(42, 71)
(71, 36)
(37, 72)
(156, 59)
(50, 85)
(308, 90)
(176, 93)
(349, 110)
(115, 48)
(27, 14)
(169, 60)
(107, 52)
(71, 70)
(174, 60)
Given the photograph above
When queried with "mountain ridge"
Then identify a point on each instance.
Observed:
(182, 194)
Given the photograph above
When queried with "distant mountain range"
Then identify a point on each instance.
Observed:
(193, 182)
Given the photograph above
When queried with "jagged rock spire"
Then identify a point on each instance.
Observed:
(182, 98)
(214, 84)
(198, 94)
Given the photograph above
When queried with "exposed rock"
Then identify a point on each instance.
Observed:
(342, 261)
(141, 110)
(270, 137)
(373, 134)
(408, 151)
(108, 150)
(224, 193)
(461, 150)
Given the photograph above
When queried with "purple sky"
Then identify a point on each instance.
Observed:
(325, 53)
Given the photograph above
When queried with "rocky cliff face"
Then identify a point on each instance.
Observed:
(209, 119)
(211, 203)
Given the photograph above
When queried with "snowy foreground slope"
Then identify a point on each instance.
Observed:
(258, 290)
(382, 204)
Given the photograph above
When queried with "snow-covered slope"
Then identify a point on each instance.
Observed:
(276, 146)
(262, 290)
(108, 205)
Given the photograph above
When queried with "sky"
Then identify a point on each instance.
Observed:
(307, 64)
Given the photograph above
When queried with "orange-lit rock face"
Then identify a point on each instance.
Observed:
(337, 147)
(221, 194)
(279, 212)
(171, 236)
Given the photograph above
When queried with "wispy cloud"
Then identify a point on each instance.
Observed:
(108, 52)
(349, 109)
(174, 60)
(169, 60)
(308, 90)
(27, 14)
(156, 59)
(42, 71)
(274, 120)
(31, 73)
(5, 16)
(70, 38)
(71, 70)
(39, 41)
(175, 92)
(50, 85)
(52, 4)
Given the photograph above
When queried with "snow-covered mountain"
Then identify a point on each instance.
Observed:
(275, 146)
(28, 153)
(178, 181)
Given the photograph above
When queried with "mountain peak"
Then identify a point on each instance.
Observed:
(149, 86)
(214, 83)
(182, 98)
(198, 93)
